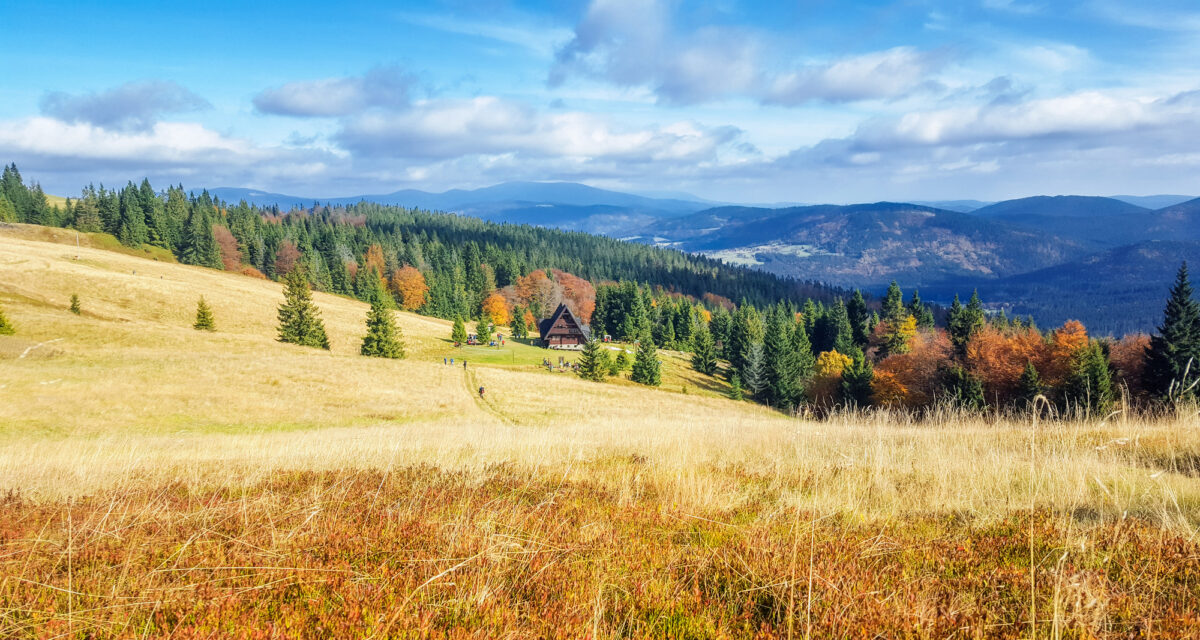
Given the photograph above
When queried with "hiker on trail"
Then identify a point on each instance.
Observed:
(452, 362)
(443, 361)
(480, 392)
(464, 365)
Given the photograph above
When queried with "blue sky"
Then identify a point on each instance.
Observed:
(807, 101)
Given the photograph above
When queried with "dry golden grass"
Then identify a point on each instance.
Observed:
(129, 391)
(137, 443)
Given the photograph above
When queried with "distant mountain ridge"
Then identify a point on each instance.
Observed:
(1049, 255)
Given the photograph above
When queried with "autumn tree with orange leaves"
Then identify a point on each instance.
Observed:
(495, 307)
(408, 284)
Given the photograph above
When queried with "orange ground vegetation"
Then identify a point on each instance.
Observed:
(419, 552)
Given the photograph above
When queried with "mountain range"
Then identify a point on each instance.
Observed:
(1104, 260)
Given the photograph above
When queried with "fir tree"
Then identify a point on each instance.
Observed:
(754, 378)
(1175, 349)
(459, 332)
(1090, 382)
(704, 355)
(383, 339)
(856, 382)
(204, 317)
(75, 308)
(299, 319)
(1029, 386)
(735, 388)
(646, 367)
(6, 326)
(592, 365)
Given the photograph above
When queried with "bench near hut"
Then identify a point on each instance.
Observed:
(562, 330)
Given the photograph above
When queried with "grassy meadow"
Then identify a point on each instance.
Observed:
(159, 481)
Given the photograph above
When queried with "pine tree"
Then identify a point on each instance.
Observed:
(592, 365)
(646, 367)
(856, 382)
(1090, 382)
(459, 332)
(735, 388)
(6, 326)
(754, 377)
(75, 308)
(383, 339)
(1176, 347)
(1029, 386)
(204, 317)
(299, 319)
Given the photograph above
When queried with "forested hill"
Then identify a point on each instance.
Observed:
(460, 259)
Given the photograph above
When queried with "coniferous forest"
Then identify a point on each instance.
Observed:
(791, 344)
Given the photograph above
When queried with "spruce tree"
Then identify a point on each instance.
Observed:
(735, 388)
(704, 355)
(1176, 347)
(1029, 386)
(646, 367)
(299, 319)
(483, 329)
(383, 339)
(920, 311)
(75, 308)
(893, 303)
(622, 361)
(781, 361)
(459, 332)
(856, 382)
(6, 326)
(963, 389)
(856, 310)
(519, 328)
(204, 317)
(964, 322)
(8, 213)
(1090, 382)
(592, 365)
(754, 378)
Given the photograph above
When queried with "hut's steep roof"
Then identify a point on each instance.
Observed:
(545, 325)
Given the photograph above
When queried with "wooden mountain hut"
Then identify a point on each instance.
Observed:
(562, 330)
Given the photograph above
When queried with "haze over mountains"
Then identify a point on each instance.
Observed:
(1104, 260)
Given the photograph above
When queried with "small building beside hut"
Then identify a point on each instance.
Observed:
(562, 330)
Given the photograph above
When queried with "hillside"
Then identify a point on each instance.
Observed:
(865, 245)
(1063, 206)
(208, 480)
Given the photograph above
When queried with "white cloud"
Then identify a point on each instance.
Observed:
(384, 87)
(634, 43)
(131, 106)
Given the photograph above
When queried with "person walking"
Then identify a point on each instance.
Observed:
(464, 365)
(480, 393)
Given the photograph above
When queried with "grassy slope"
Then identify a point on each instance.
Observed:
(613, 507)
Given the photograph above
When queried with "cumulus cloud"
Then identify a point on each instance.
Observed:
(634, 43)
(130, 107)
(384, 87)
